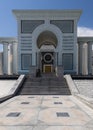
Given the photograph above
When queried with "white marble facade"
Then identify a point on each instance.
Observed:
(47, 40)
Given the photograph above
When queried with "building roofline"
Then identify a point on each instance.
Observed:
(47, 10)
(43, 13)
(8, 39)
(85, 39)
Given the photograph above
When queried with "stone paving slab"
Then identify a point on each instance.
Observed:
(45, 113)
(16, 128)
(85, 87)
(76, 117)
(45, 128)
(61, 128)
(26, 117)
(5, 86)
(57, 103)
(26, 103)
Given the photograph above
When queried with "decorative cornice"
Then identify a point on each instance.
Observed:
(8, 40)
(47, 13)
(85, 39)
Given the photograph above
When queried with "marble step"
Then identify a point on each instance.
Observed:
(44, 85)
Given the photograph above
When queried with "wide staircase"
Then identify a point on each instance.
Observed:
(48, 84)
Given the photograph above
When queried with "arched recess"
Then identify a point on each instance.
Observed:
(56, 33)
(44, 28)
(47, 38)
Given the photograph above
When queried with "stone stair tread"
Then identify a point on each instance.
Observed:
(45, 85)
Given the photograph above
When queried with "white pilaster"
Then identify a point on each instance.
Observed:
(60, 58)
(38, 59)
(80, 46)
(85, 59)
(15, 61)
(33, 59)
(89, 57)
(5, 58)
(55, 59)
(77, 58)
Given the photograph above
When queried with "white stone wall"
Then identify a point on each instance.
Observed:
(27, 42)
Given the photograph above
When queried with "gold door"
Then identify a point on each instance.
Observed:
(47, 68)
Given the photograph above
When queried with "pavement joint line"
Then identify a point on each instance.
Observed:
(40, 107)
(41, 125)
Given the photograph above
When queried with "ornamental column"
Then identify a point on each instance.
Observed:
(90, 57)
(10, 66)
(5, 58)
(85, 59)
(15, 61)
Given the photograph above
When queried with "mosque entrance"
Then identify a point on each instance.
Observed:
(47, 62)
(47, 43)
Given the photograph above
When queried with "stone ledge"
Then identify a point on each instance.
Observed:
(17, 85)
(14, 89)
(71, 85)
(86, 100)
(74, 91)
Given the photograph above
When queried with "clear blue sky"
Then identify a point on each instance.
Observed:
(8, 26)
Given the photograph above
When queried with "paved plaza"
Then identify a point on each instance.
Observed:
(45, 113)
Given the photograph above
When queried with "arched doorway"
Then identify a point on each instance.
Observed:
(47, 43)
